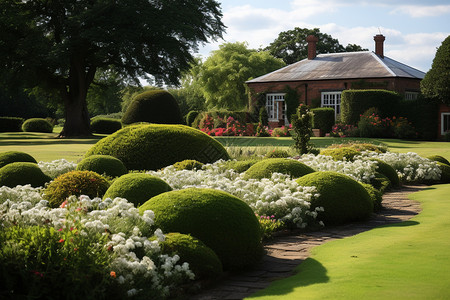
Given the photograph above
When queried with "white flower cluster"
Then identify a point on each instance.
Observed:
(137, 259)
(359, 169)
(410, 166)
(280, 195)
(57, 167)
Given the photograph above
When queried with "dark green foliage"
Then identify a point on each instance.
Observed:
(344, 199)
(103, 164)
(422, 114)
(22, 173)
(266, 167)
(388, 171)
(137, 188)
(37, 125)
(291, 99)
(154, 106)
(75, 183)
(154, 146)
(439, 159)
(380, 182)
(240, 166)
(15, 156)
(342, 153)
(188, 164)
(223, 222)
(301, 130)
(190, 117)
(445, 175)
(375, 196)
(202, 260)
(277, 154)
(11, 124)
(323, 118)
(263, 116)
(105, 125)
(356, 102)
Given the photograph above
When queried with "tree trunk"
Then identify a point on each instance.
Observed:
(74, 93)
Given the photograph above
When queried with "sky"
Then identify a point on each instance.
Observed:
(413, 29)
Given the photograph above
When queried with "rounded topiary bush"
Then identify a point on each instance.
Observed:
(266, 167)
(137, 187)
(375, 195)
(22, 173)
(222, 221)
(154, 146)
(341, 153)
(240, 166)
(105, 125)
(15, 156)
(439, 159)
(75, 183)
(388, 171)
(188, 164)
(380, 182)
(277, 154)
(343, 198)
(203, 261)
(103, 164)
(445, 175)
(37, 125)
(154, 106)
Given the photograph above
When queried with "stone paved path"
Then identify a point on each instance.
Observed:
(285, 253)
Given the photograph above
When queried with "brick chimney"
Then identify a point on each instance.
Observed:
(312, 41)
(379, 41)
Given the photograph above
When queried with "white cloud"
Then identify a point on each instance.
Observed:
(420, 11)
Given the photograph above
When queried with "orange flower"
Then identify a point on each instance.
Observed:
(113, 274)
(61, 240)
(63, 204)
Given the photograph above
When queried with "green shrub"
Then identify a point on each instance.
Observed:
(223, 222)
(380, 182)
(266, 167)
(202, 260)
(375, 196)
(219, 118)
(15, 156)
(439, 159)
(388, 171)
(105, 125)
(188, 164)
(37, 125)
(277, 153)
(240, 166)
(137, 188)
(344, 199)
(445, 175)
(190, 117)
(103, 164)
(75, 183)
(356, 102)
(281, 132)
(422, 114)
(154, 106)
(360, 147)
(154, 146)
(11, 124)
(341, 153)
(22, 173)
(323, 118)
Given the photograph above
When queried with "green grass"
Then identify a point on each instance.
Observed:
(409, 260)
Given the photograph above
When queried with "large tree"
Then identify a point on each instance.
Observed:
(60, 44)
(291, 45)
(221, 78)
(436, 83)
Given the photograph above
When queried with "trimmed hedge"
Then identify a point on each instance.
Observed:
(75, 183)
(343, 198)
(355, 102)
(388, 171)
(240, 166)
(340, 153)
(188, 164)
(380, 182)
(154, 106)
(375, 195)
(323, 118)
(103, 164)
(154, 146)
(445, 175)
(266, 167)
(15, 156)
(37, 125)
(137, 188)
(11, 124)
(105, 125)
(439, 159)
(422, 114)
(222, 221)
(202, 260)
(22, 173)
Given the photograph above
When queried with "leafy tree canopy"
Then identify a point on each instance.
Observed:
(436, 83)
(221, 78)
(60, 44)
(291, 45)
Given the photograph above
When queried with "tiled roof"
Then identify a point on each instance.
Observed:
(347, 65)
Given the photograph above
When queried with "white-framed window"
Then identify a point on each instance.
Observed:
(445, 122)
(411, 95)
(276, 107)
(333, 100)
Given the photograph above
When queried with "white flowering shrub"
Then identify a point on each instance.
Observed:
(57, 167)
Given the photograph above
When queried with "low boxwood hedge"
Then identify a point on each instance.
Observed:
(37, 125)
(103, 164)
(22, 173)
(15, 156)
(266, 167)
(342, 153)
(105, 125)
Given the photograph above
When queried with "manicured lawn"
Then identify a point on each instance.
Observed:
(409, 260)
